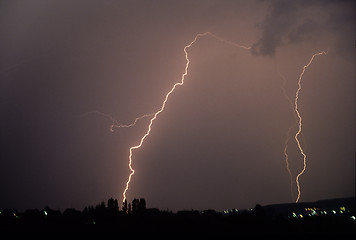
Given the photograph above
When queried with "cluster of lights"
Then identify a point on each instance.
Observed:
(231, 211)
(313, 211)
(316, 212)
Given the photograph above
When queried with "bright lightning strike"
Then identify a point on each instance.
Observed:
(300, 121)
(155, 115)
(291, 127)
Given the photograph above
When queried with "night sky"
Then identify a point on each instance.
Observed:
(219, 142)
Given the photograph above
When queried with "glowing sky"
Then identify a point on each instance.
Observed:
(218, 144)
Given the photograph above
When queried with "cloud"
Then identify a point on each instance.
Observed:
(274, 27)
(292, 22)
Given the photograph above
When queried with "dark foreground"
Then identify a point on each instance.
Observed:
(335, 216)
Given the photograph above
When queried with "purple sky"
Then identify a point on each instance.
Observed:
(219, 142)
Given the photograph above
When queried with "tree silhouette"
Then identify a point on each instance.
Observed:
(138, 205)
(113, 205)
(134, 205)
(124, 206)
(142, 205)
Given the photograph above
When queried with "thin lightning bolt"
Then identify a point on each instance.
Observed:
(288, 132)
(119, 125)
(155, 115)
(115, 123)
(300, 121)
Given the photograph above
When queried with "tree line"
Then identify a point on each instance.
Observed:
(92, 217)
(135, 217)
(138, 205)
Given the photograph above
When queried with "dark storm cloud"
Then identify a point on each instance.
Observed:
(274, 27)
(291, 22)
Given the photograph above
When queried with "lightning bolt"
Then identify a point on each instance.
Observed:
(119, 125)
(180, 83)
(115, 123)
(300, 121)
(286, 156)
